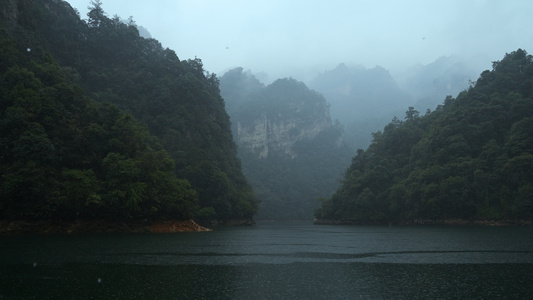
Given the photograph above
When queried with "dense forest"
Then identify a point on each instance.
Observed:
(471, 158)
(99, 122)
(291, 151)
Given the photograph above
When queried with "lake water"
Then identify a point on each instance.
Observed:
(295, 260)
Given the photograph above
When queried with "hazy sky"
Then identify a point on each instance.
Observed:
(291, 37)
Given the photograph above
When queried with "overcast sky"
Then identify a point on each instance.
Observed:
(291, 37)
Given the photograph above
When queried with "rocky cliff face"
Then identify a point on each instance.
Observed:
(280, 128)
(265, 135)
(291, 152)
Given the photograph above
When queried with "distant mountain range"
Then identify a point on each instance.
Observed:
(365, 100)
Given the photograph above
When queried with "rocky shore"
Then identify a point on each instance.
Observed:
(97, 226)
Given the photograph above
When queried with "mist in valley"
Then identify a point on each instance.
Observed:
(190, 149)
(358, 65)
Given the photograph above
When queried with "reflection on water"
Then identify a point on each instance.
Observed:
(273, 261)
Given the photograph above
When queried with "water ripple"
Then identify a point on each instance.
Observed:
(432, 256)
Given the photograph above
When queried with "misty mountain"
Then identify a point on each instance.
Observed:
(291, 151)
(362, 99)
(471, 158)
(99, 122)
(144, 32)
(365, 100)
(428, 85)
(236, 86)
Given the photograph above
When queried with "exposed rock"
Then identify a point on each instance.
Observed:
(279, 135)
(93, 226)
(289, 113)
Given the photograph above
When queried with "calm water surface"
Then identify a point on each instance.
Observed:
(295, 260)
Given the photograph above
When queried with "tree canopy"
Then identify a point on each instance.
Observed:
(471, 158)
(97, 121)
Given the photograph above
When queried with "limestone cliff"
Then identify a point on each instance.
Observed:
(284, 115)
(266, 134)
(291, 152)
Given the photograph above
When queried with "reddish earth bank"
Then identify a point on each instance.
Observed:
(88, 226)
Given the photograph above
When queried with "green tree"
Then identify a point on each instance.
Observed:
(470, 158)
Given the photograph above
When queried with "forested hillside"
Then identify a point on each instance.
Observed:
(471, 158)
(99, 122)
(291, 151)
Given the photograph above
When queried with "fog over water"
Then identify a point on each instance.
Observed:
(292, 260)
(302, 38)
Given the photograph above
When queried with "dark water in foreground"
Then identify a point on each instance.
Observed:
(274, 261)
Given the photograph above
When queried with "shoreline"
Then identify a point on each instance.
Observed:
(451, 222)
(97, 226)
